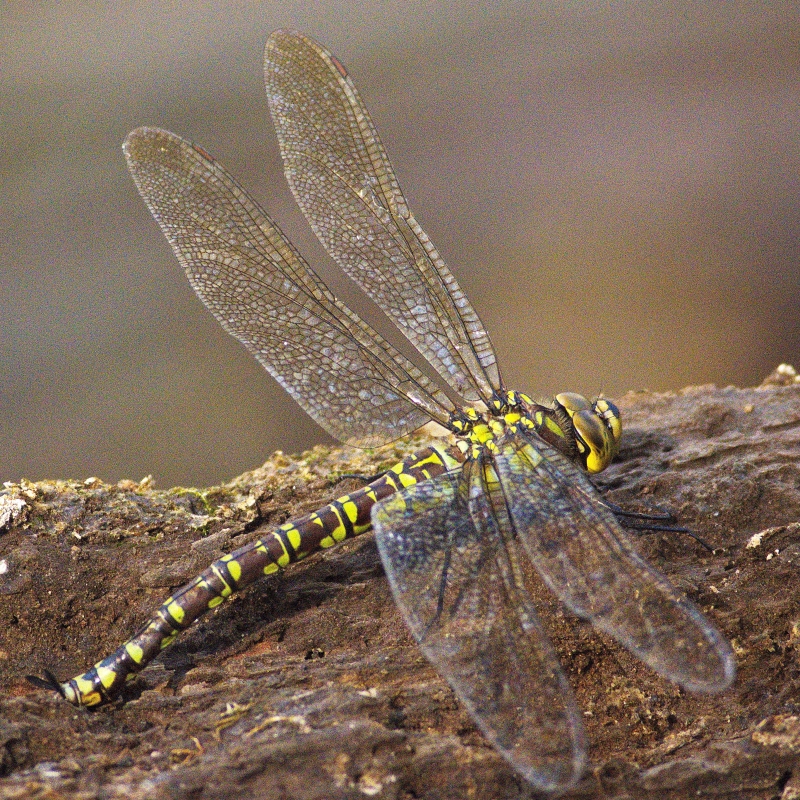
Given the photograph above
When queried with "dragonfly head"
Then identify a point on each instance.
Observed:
(585, 431)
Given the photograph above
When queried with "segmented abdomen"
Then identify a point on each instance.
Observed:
(341, 519)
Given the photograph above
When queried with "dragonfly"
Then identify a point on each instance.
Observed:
(466, 527)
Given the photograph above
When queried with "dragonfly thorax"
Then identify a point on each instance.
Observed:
(587, 432)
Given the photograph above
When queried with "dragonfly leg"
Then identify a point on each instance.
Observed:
(648, 523)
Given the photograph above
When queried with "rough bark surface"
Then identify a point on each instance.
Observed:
(308, 685)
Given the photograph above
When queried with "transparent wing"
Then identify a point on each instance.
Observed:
(344, 184)
(454, 579)
(344, 374)
(592, 566)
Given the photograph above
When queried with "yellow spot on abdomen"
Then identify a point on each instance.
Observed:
(175, 611)
(107, 676)
(135, 652)
(293, 535)
(234, 568)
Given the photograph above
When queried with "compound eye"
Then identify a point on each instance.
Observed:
(611, 415)
(572, 402)
(596, 429)
(597, 432)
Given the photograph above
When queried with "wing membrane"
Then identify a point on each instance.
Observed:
(348, 378)
(343, 182)
(592, 566)
(456, 584)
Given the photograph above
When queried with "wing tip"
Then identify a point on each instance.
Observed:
(143, 136)
(284, 39)
(719, 681)
(283, 35)
(560, 778)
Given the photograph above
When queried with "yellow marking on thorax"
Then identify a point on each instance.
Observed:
(550, 424)
(481, 434)
(515, 398)
(484, 436)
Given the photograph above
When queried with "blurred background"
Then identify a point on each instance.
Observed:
(616, 186)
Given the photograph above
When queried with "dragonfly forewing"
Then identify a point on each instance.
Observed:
(344, 183)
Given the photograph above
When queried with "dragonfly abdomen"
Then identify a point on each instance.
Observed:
(341, 519)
